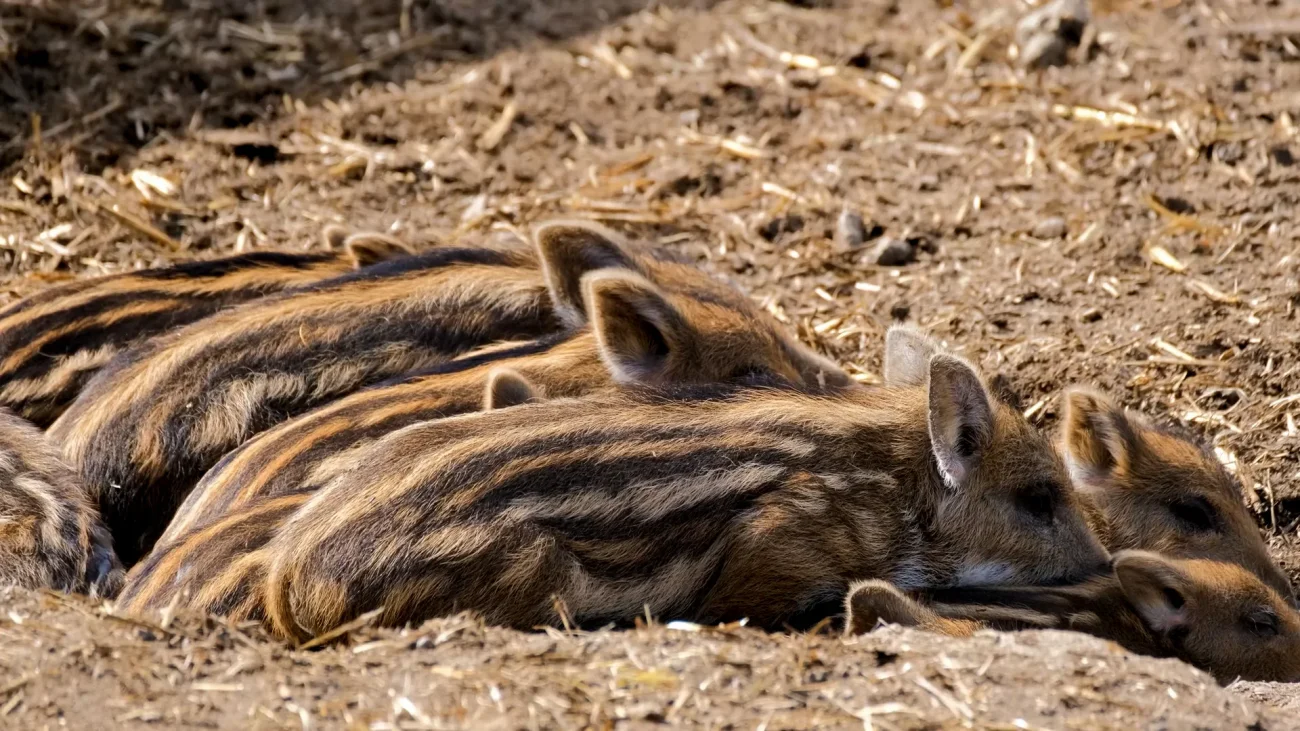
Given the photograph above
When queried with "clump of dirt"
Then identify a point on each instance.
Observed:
(1124, 221)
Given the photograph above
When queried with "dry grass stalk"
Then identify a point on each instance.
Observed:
(266, 35)
(134, 222)
(1037, 408)
(1284, 401)
(774, 189)
(860, 87)
(1213, 293)
(604, 53)
(1160, 255)
(342, 630)
(790, 59)
(1178, 222)
(959, 710)
(630, 166)
(494, 134)
(1109, 119)
(1172, 350)
(379, 58)
(150, 184)
(972, 53)
(743, 150)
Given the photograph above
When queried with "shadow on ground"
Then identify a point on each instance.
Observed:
(111, 77)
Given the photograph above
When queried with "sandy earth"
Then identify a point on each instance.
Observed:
(737, 131)
(85, 671)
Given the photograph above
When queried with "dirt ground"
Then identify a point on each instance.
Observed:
(1124, 221)
(84, 672)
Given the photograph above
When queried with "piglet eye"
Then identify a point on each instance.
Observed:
(1261, 622)
(1038, 502)
(1196, 514)
(1173, 598)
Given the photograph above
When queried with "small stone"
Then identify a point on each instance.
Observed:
(1229, 153)
(850, 231)
(894, 253)
(1092, 314)
(1282, 156)
(1049, 228)
(1046, 35)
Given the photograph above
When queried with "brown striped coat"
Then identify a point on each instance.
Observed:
(53, 342)
(709, 340)
(692, 340)
(161, 414)
(1153, 489)
(759, 503)
(219, 567)
(50, 533)
(1150, 488)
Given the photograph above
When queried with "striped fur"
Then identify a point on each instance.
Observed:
(1153, 490)
(710, 505)
(1214, 615)
(163, 413)
(304, 453)
(53, 342)
(50, 533)
(220, 567)
(701, 332)
(666, 321)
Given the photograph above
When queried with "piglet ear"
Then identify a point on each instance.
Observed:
(873, 602)
(638, 331)
(371, 247)
(907, 356)
(507, 387)
(568, 250)
(1156, 587)
(961, 417)
(818, 371)
(333, 235)
(1099, 438)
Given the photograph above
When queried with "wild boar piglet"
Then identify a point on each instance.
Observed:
(709, 503)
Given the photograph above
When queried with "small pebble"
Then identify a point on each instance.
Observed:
(1229, 153)
(850, 231)
(1046, 35)
(894, 253)
(1049, 228)
(1178, 205)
